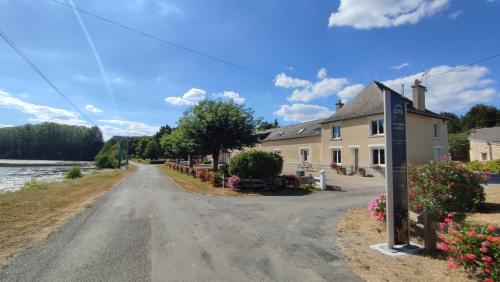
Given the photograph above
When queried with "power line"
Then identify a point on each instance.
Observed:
(44, 77)
(168, 42)
(466, 65)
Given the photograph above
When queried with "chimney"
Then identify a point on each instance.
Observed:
(419, 95)
(339, 105)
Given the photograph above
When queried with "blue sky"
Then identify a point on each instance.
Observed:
(311, 53)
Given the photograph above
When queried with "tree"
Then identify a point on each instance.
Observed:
(108, 156)
(481, 116)
(217, 125)
(455, 124)
(459, 146)
(166, 129)
(152, 150)
(140, 149)
(262, 124)
(180, 143)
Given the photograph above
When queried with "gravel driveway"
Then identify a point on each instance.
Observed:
(147, 229)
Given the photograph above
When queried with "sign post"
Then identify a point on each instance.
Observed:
(396, 170)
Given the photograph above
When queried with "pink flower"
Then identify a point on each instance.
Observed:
(472, 234)
(458, 240)
(483, 250)
(492, 228)
(487, 270)
(487, 260)
(447, 240)
(442, 225)
(451, 214)
(485, 244)
(471, 256)
(453, 265)
(453, 248)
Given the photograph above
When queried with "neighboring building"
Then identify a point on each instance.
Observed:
(485, 144)
(353, 137)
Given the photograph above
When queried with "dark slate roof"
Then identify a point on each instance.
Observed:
(306, 129)
(370, 102)
(490, 135)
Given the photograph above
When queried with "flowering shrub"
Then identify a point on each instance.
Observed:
(234, 182)
(202, 174)
(444, 186)
(377, 207)
(475, 247)
(291, 181)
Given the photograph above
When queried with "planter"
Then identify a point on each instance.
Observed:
(362, 172)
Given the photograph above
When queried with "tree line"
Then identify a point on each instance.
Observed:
(459, 127)
(50, 141)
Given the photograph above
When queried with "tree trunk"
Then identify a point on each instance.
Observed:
(190, 160)
(215, 161)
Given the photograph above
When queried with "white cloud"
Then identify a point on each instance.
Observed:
(305, 90)
(302, 112)
(39, 113)
(367, 14)
(231, 95)
(350, 91)
(192, 97)
(453, 91)
(282, 80)
(455, 15)
(93, 109)
(118, 127)
(322, 73)
(400, 66)
(169, 8)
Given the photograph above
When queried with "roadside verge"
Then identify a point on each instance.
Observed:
(27, 216)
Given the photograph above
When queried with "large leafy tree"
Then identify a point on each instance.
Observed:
(262, 124)
(215, 125)
(180, 142)
(481, 116)
(455, 123)
(152, 150)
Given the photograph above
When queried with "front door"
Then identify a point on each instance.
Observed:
(355, 159)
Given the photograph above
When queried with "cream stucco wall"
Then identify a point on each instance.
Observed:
(290, 151)
(492, 151)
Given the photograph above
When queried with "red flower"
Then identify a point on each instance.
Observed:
(452, 232)
(453, 265)
(442, 247)
(458, 240)
(472, 234)
(442, 225)
(447, 240)
(489, 279)
(483, 250)
(487, 270)
(471, 256)
(453, 248)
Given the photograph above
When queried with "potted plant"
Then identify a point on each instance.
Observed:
(336, 167)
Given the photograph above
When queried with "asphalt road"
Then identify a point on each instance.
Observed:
(147, 229)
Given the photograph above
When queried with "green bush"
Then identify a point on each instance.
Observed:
(445, 186)
(108, 156)
(489, 166)
(73, 172)
(459, 146)
(33, 183)
(255, 164)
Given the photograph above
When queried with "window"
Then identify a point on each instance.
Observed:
(378, 156)
(301, 130)
(377, 127)
(336, 132)
(336, 156)
(438, 153)
(436, 130)
(484, 156)
(304, 154)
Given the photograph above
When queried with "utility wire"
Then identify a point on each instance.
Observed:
(168, 42)
(466, 65)
(44, 77)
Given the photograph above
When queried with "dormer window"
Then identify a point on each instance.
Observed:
(281, 133)
(301, 130)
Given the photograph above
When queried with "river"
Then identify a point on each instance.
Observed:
(15, 173)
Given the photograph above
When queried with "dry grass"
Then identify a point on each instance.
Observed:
(490, 212)
(357, 231)
(29, 215)
(194, 185)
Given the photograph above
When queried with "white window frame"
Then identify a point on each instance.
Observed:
(373, 148)
(301, 156)
(334, 156)
(380, 122)
(435, 130)
(333, 132)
